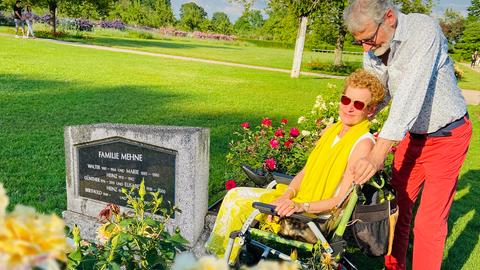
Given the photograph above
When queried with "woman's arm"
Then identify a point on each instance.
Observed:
(286, 207)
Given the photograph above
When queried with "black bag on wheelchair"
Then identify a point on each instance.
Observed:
(374, 218)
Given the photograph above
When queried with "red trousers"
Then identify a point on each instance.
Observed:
(431, 163)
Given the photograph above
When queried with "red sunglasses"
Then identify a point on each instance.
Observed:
(359, 105)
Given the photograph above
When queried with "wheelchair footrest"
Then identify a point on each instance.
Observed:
(278, 239)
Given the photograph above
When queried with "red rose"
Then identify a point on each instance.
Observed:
(288, 143)
(271, 164)
(393, 149)
(245, 125)
(266, 122)
(230, 184)
(284, 121)
(294, 132)
(274, 143)
(319, 122)
(279, 133)
(375, 135)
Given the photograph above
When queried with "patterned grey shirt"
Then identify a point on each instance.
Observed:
(419, 79)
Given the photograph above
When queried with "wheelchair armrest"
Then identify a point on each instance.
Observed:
(282, 178)
(254, 175)
(269, 209)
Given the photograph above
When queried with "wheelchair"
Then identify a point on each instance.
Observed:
(327, 251)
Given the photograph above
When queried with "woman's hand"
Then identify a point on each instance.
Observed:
(287, 207)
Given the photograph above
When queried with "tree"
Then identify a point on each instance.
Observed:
(52, 6)
(162, 13)
(470, 40)
(474, 10)
(192, 16)
(280, 25)
(249, 22)
(221, 23)
(94, 9)
(414, 6)
(452, 24)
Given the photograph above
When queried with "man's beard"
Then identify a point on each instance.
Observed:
(382, 49)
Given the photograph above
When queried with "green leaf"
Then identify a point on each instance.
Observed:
(76, 255)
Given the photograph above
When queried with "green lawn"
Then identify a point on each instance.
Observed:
(470, 80)
(235, 52)
(46, 86)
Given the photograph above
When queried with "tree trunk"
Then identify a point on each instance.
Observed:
(299, 44)
(53, 11)
(337, 60)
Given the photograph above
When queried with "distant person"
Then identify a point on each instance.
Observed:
(474, 58)
(28, 16)
(17, 10)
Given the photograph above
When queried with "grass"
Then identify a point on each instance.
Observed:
(242, 52)
(470, 80)
(235, 52)
(46, 86)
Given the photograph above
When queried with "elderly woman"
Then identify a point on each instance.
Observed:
(325, 179)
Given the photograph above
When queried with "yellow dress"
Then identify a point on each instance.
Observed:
(326, 162)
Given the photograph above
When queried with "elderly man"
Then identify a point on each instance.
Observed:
(428, 116)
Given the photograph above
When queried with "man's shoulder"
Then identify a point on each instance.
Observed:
(417, 19)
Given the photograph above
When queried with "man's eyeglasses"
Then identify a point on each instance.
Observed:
(370, 41)
(359, 105)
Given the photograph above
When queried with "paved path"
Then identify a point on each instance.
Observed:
(471, 96)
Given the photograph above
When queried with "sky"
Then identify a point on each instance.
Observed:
(234, 10)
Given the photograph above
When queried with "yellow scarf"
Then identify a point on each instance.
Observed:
(326, 164)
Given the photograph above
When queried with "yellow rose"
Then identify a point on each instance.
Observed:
(30, 239)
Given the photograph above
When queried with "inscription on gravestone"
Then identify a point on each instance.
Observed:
(107, 166)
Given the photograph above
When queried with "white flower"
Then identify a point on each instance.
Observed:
(301, 119)
(331, 103)
(331, 86)
(375, 121)
(305, 133)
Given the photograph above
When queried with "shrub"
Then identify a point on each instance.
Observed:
(276, 148)
(6, 20)
(458, 72)
(115, 24)
(130, 241)
(83, 25)
(345, 68)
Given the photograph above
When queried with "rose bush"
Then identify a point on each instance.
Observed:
(273, 147)
(130, 240)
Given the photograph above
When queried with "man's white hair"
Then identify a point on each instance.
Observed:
(360, 12)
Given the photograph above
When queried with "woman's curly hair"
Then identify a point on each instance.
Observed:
(363, 79)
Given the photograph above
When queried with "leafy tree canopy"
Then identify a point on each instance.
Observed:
(192, 16)
(474, 10)
(414, 6)
(221, 23)
(452, 24)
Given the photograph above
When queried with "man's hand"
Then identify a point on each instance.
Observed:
(365, 168)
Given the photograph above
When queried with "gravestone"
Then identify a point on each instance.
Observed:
(102, 159)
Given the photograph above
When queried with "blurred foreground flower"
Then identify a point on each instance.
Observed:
(29, 239)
